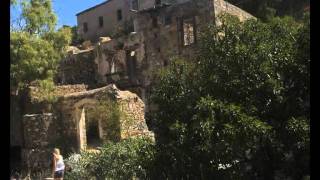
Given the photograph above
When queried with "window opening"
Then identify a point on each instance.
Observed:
(154, 22)
(188, 31)
(131, 62)
(135, 5)
(85, 27)
(100, 21)
(119, 14)
(167, 20)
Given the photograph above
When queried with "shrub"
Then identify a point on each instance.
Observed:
(124, 160)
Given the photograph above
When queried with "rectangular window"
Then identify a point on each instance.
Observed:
(135, 5)
(189, 31)
(154, 22)
(100, 21)
(85, 27)
(158, 2)
(119, 14)
(131, 61)
(167, 20)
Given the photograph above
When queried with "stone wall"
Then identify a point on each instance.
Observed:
(64, 127)
(40, 135)
(71, 107)
(131, 61)
(221, 6)
(78, 68)
(133, 122)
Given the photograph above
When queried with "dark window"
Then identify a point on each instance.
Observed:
(119, 14)
(158, 2)
(189, 31)
(100, 21)
(167, 20)
(85, 27)
(155, 22)
(131, 62)
(165, 63)
(135, 5)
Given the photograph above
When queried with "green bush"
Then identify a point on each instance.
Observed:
(124, 160)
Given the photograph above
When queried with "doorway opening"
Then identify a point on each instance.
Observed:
(93, 133)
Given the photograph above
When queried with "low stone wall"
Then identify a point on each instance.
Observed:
(36, 160)
(40, 132)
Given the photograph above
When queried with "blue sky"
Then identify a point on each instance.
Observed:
(66, 10)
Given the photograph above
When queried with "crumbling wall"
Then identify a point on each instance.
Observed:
(221, 6)
(132, 122)
(40, 135)
(146, 4)
(64, 127)
(78, 68)
(161, 32)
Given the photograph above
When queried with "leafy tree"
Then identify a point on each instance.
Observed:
(35, 58)
(266, 9)
(241, 110)
(35, 48)
(13, 2)
(38, 15)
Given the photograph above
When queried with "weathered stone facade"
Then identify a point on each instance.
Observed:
(162, 31)
(64, 126)
(40, 131)
(104, 19)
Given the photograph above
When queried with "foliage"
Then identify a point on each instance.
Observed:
(76, 39)
(13, 2)
(78, 164)
(38, 15)
(267, 9)
(124, 160)
(109, 113)
(35, 49)
(45, 91)
(241, 110)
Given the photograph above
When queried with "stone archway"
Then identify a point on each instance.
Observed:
(80, 119)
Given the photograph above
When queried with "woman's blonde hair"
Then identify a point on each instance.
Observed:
(56, 151)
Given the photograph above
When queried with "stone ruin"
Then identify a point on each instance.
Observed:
(160, 33)
(127, 62)
(64, 123)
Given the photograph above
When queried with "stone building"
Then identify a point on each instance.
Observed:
(110, 17)
(105, 19)
(162, 29)
(72, 124)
